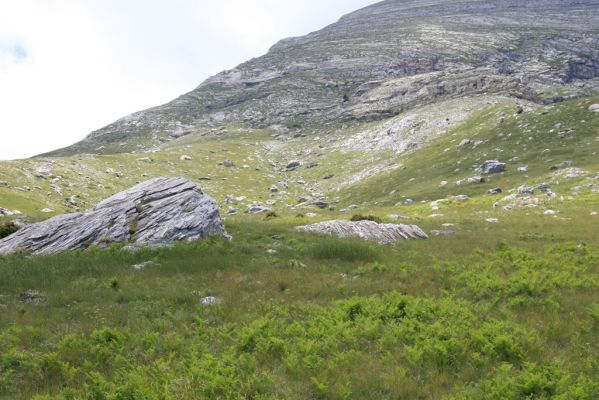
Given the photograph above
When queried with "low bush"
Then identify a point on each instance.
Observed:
(7, 228)
(373, 218)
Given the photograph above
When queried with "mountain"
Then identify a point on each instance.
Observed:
(399, 102)
(379, 62)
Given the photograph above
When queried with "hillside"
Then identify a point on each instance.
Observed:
(476, 121)
(377, 63)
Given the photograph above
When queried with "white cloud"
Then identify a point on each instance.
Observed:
(68, 67)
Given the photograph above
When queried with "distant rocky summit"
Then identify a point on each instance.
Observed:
(379, 62)
(368, 230)
(158, 211)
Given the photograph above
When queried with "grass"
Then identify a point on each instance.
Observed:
(504, 310)
(483, 315)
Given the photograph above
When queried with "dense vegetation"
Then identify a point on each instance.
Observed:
(504, 313)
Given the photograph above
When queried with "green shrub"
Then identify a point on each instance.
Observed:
(7, 228)
(373, 218)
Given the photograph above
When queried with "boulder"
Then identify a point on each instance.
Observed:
(492, 167)
(369, 230)
(156, 212)
(257, 209)
(293, 165)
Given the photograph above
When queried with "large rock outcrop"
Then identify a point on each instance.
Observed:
(368, 230)
(158, 211)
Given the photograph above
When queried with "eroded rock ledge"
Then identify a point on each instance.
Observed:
(158, 211)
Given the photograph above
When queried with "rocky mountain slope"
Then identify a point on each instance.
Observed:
(395, 104)
(378, 62)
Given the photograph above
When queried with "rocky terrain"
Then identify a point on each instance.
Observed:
(379, 62)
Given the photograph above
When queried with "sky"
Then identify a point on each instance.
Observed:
(68, 67)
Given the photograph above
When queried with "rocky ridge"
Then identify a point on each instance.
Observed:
(381, 61)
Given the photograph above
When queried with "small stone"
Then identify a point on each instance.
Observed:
(32, 297)
(210, 300)
(47, 210)
(185, 158)
(523, 169)
(492, 220)
(327, 177)
(525, 190)
(549, 212)
(492, 167)
(274, 189)
(594, 108)
(443, 233)
(320, 203)
(292, 165)
(494, 191)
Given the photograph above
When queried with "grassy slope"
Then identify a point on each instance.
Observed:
(508, 312)
(499, 311)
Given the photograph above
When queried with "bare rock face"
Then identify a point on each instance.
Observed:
(382, 233)
(158, 211)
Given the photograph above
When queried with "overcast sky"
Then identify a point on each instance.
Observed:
(68, 67)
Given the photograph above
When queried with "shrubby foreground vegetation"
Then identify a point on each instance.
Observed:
(505, 313)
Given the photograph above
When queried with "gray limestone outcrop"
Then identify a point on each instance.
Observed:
(155, 212)
(369, 230)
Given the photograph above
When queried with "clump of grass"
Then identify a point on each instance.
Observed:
(271, 215)
(351, 250)
(360, 217)
(7, 228)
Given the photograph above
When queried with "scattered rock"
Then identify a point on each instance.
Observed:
(476, 179)
(228, 164)
(210, 300)
(158, 211)
(3, 184)
(43, 172)
(47, 210)
(443, 233)
(492, 167)
(32, 297)
(562, 165)
(329, 176)
(185, 158)
(232, 210)
(443, 183)
(274, 189)
(293, 165)
(368, 230)
(492, 220)
(549, 212)
(523, 169)
(140, 266)
(461, 197)
(257, 209)
(464, 142)
(525, 190)
(320, 203)
(494, 191)
(594, 108)
(543, 187)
